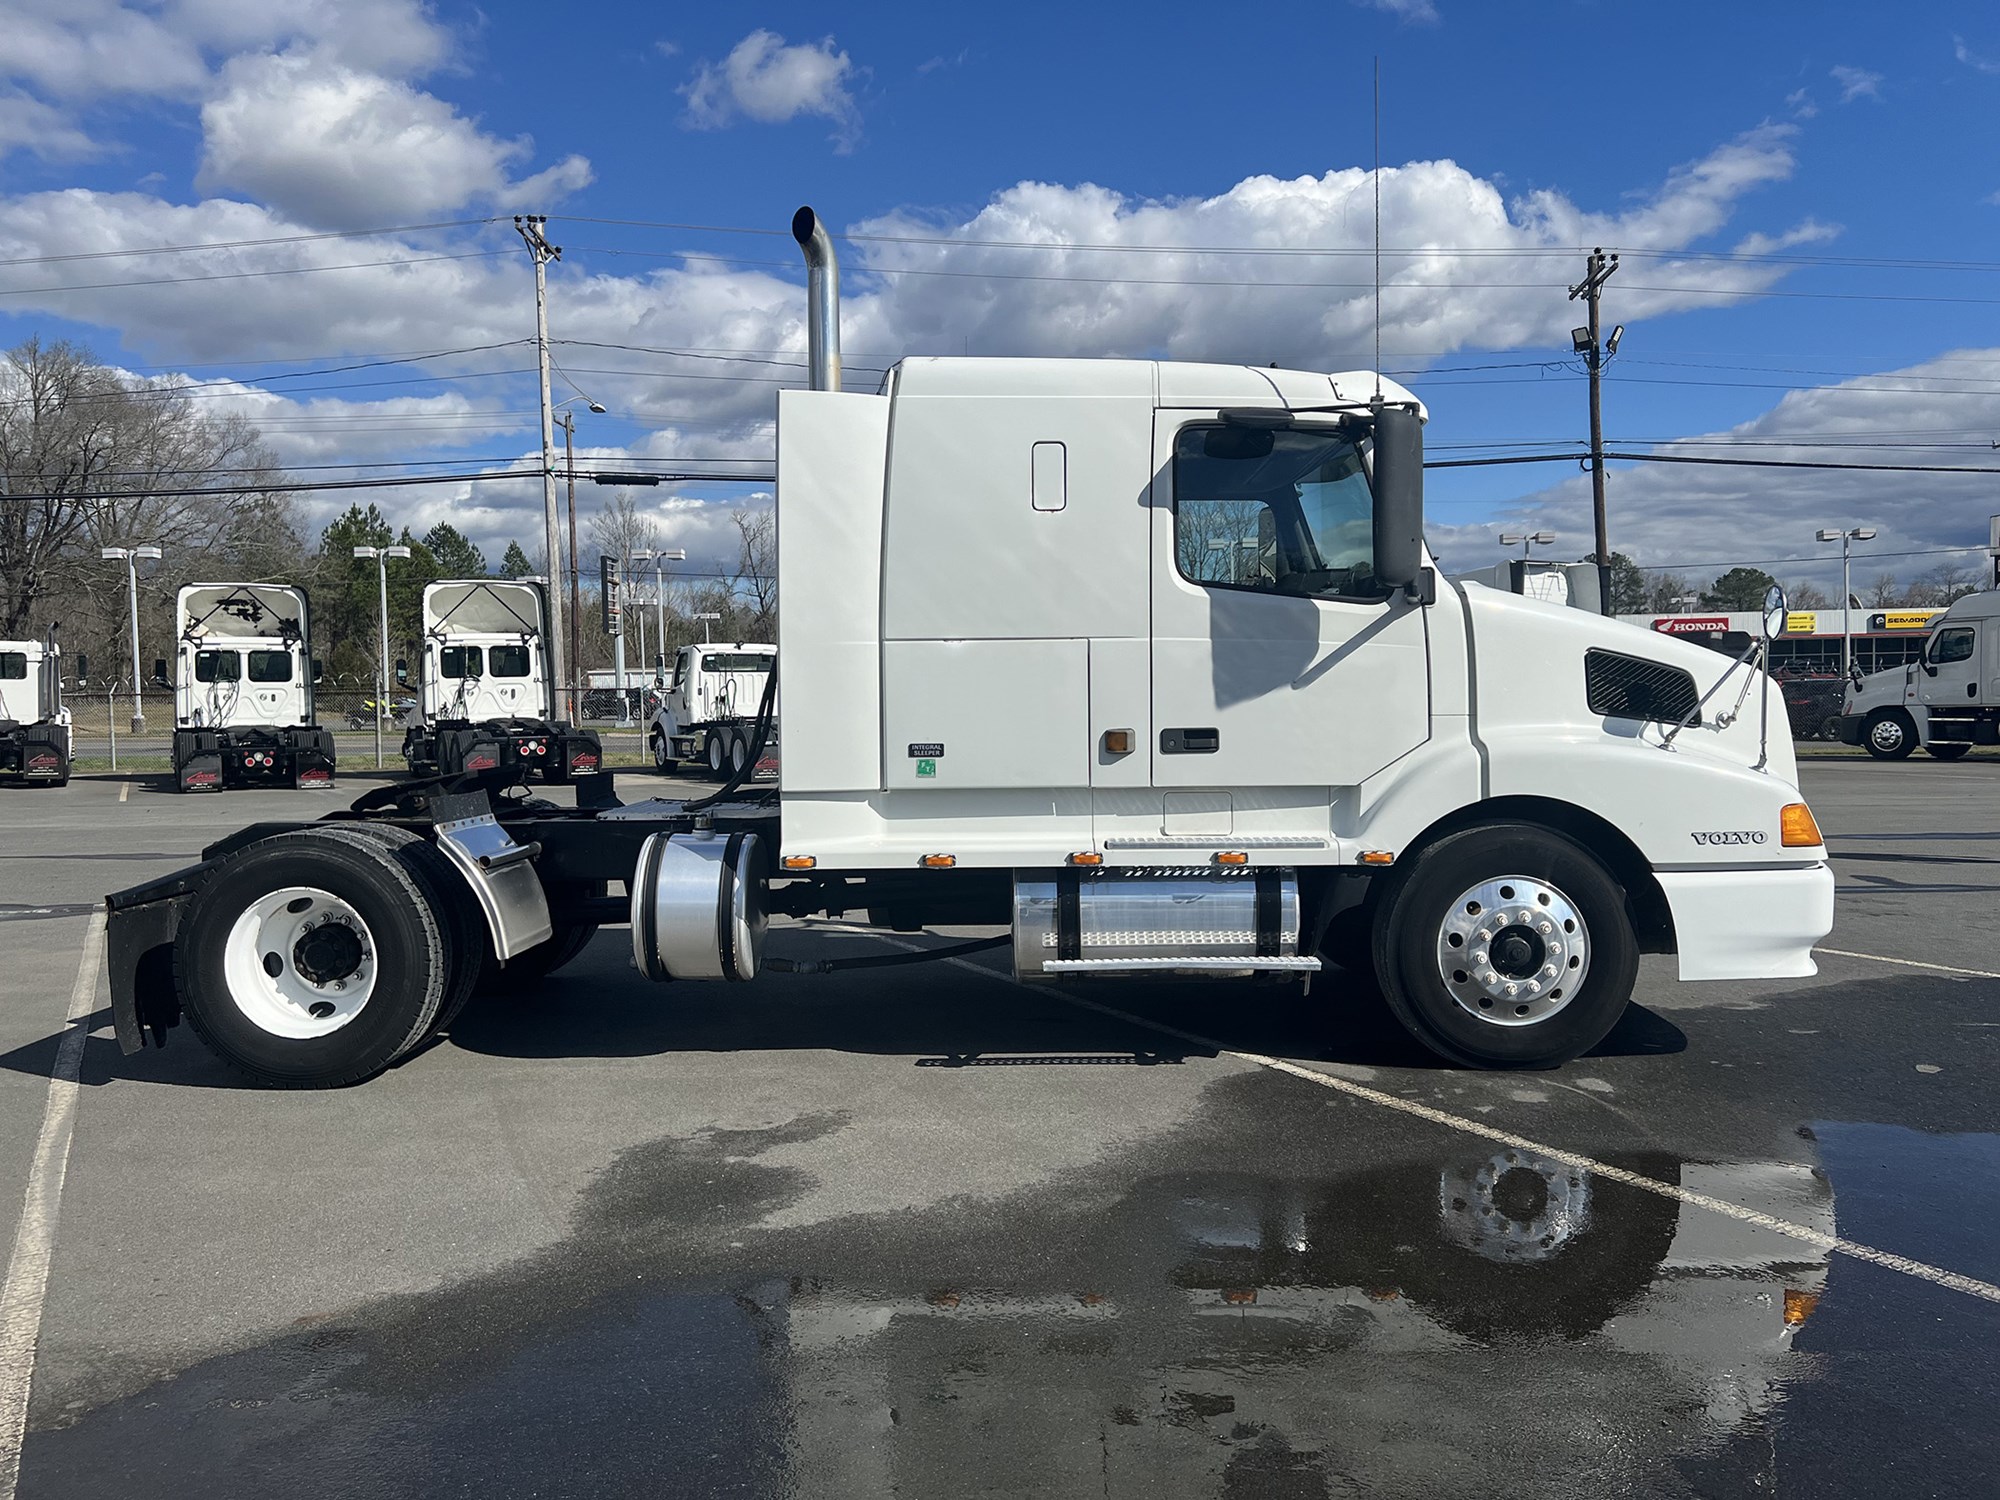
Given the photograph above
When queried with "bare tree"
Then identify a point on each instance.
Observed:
(757, 569)
(1666, 593)
(1883, 593)
(1807, 595)
(89, 458)
(1951, 579)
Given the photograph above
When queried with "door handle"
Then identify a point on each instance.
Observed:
(1190, 741)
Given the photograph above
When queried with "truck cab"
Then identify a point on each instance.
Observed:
(34, 724)
(485, 701)
(710, 703)
(243, 678)
(1947, 700)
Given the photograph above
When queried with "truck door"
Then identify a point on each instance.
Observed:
(1953, 654)
(1276, 661)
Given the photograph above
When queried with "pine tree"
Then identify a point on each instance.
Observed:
(515, 564)
(456, 557)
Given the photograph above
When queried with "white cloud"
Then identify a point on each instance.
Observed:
(1856, 83)
(1972, 59)
(1801, 104)
(27, 124)
(1710, 517)
(329, 144)
(1422, 11)
(765, 80)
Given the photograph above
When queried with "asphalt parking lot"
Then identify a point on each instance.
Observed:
(926, 1232)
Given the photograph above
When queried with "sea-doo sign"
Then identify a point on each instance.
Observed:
(1691, 624)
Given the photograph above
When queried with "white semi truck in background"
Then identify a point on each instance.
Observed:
(708, 706)
(1947, 700)
(242, 679)
(1037, 680)
(34, 725)
(486, 703)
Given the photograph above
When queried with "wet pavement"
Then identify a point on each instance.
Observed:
(926, 1232)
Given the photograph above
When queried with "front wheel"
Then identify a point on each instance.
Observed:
(1949, 751)
(663, 759)
(1506, 946)
(1890, 736)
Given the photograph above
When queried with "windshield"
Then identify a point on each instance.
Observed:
(736, 661)
(1287, 512)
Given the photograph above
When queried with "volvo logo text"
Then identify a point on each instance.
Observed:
(1730, 836)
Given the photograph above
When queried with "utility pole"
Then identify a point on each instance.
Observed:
(1597, 270)
(575, 590)
(530, 228)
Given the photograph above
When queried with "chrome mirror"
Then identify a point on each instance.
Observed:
(1774, 611)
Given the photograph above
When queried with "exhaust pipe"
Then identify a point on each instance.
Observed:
(822, 298)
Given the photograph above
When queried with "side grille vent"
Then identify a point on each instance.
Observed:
(1630, 687)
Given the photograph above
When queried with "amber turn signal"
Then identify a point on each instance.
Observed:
(1117, 742)
(1378, 856)
(798, 861)
(1797, 826)
(1232, 857)
(938, 861)
(1087, 857)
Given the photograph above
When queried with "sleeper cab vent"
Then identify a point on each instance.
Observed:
(1630, 687)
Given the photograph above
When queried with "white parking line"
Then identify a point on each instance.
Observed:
(1921, 1270)
(34, 1241)
(1909, 963)
(124, 791)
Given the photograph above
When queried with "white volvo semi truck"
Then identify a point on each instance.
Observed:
(486, 702)
(708, 707)
(34, 725)
(1144, 663)
(242, 681)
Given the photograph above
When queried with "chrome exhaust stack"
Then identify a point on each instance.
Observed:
(822, 299)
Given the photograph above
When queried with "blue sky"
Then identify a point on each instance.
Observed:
(1805, 199)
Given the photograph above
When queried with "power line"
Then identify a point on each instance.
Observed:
(359, 265)
(395, 481)
(280, 239)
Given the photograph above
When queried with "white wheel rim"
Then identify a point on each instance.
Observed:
(277, 931)
(714, 754)
(738, 753)
(1513, 951)
(659, 749)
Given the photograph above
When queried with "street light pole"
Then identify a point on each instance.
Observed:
(705, 618)
(1528, 540)
(659, 557)
(1847, 535)
(130, 557)
(575, 594)
(382, 556)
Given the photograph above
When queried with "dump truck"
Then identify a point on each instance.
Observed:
(708, 707)
(34, 725)
(1143, 664)
(242, 680)
(486, 702)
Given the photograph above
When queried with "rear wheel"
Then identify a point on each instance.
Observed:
(739, 753)
(309, 960)
(445, 889)
(1949, 751)
(1506, 946)
(1890, 735)
(715, 753)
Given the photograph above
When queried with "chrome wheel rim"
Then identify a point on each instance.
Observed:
(300, 963)
(1886, 734)
(1513, 951)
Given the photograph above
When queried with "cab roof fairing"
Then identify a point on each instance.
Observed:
(242, 612)
(483, 606)
(1166, 383)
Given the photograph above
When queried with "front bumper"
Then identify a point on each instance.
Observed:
(1749, 924)
(1847, 728)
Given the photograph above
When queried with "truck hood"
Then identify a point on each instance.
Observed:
(1530, 657)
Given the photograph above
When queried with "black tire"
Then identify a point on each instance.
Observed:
(715, 755)
(1949, 751)
(1829, 730)
(464, 925)
(1411, 928)
(1889, 734)
(739, 752)
(412, 955)
(663, 759)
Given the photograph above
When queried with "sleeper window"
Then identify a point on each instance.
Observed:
(13, 665)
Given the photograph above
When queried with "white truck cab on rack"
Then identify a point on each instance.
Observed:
(242, 680)
(1145, 664)
(34, 724)
(1948, 700)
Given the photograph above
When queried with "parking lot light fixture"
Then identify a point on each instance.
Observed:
(1846, 537)
(131, 557)
(705, 616)
(381, 556)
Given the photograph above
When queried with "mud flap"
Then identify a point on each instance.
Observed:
(500, 872)
(202, 772)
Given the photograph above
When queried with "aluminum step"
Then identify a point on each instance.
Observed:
(1296, 964)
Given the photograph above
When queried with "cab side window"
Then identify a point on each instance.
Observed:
(1281, 512)
(459, 661)
(270, 666)
(508, 661)
(13, 666)
(218, 666)
(1951, 646)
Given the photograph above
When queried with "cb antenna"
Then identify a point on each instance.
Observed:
(1378, 229)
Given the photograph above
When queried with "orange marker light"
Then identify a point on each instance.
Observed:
(938, 861)
(1117, 742)
(798, 861)
(1378, 856)
(1232, 857)
(1087, 857)
(1798, 827)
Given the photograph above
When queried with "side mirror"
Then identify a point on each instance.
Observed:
(160, 678)
(319, 671)
(1399, 498)
(1774, 612)
(402, 672)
